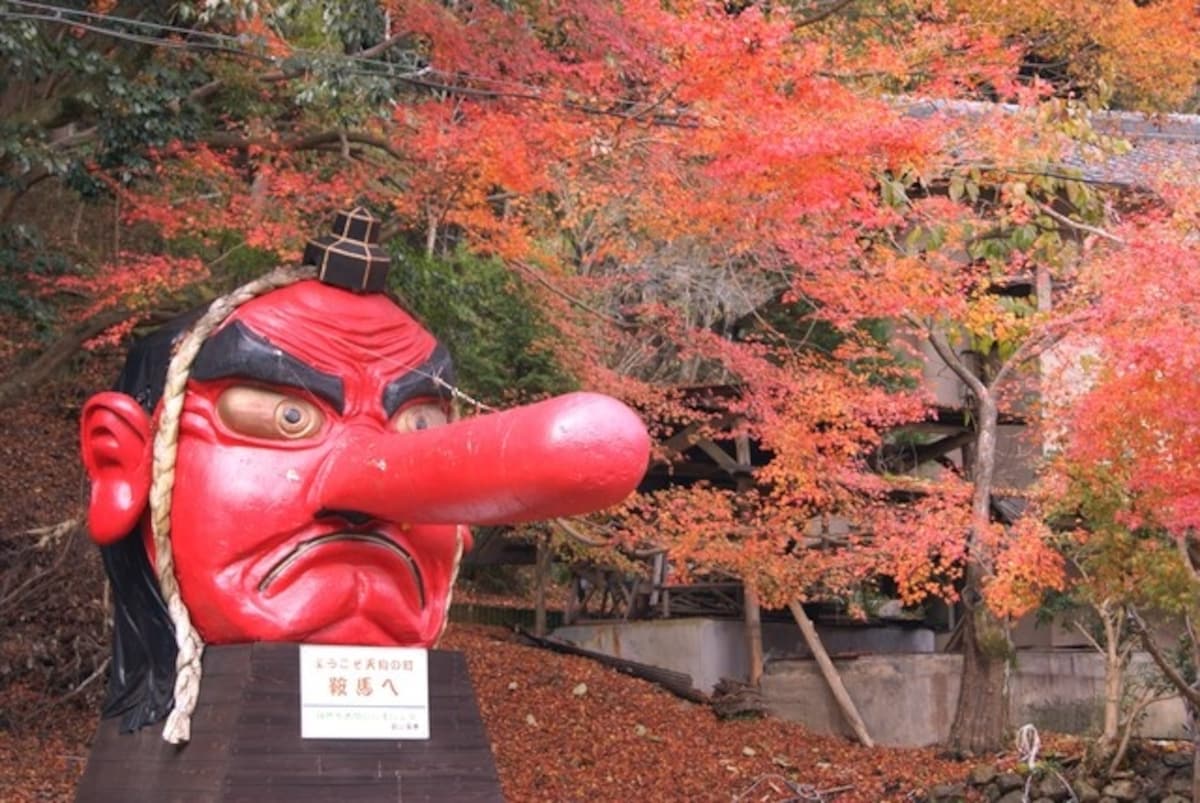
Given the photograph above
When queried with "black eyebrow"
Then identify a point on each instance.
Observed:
(235, 351)
(434, 377)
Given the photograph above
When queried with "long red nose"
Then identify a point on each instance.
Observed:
(571, 454)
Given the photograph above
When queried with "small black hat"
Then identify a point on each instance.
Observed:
(350, 257)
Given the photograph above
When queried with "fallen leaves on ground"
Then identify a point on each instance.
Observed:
(41, 759)
(564, 728)
(624, 739)
(556, 596)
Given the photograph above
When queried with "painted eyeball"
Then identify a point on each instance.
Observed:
(296, 418)
(260, 413)
(418, 416)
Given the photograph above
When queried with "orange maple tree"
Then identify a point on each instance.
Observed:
(1135, 418)
(1125, 464)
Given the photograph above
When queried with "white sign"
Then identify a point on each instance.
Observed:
(363, 692)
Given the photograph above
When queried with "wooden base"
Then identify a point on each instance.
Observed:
(246, 744)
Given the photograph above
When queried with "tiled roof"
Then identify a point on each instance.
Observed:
(1157, 143)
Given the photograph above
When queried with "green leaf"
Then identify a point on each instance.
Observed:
(494, 331)
(1024, 236)
(972, 188)
(957, 187)
(1077, 194)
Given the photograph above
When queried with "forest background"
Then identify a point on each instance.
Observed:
(799, 203)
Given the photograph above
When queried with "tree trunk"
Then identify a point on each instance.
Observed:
(751, 609)
(981, 716)
(1105, 754)
(1114, 676)
(431, 232)
(754, 646)
(830, 673)
(1195, 765)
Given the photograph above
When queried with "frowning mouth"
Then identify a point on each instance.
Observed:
(379, 540)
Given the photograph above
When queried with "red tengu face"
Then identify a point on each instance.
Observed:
(294, 382)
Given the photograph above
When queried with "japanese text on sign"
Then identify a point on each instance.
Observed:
(363, 692)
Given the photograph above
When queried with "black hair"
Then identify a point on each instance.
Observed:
(141, 680)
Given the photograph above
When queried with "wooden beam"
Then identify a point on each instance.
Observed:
(901, 458)
(722, 458)
(960, 417)
(544, 558)
(689, 471)
(830, 673)
(741, 446)
(686, 438)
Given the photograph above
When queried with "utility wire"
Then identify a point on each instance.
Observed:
(132, 37)
(111, 25)
(423, 76)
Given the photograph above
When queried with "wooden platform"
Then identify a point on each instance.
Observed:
(246, 744)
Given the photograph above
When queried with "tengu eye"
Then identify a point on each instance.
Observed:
(294, 419)
(416, 417)
(263, 413)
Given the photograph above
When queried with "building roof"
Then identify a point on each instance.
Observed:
(1157, 143)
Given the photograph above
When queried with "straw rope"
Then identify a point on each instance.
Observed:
(177, 729)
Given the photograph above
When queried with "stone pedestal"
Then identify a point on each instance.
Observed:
(246, 744)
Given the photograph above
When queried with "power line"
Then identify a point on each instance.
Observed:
(131, 37)
(424, 76)
(111, 25)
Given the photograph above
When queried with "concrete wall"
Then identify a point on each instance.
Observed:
(905, 692)
(1065, 690)
(706, 649)
(903, 699)
(909, 700)
(711, 649)
(782, 640)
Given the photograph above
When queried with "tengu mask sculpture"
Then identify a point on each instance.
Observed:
(285, 467)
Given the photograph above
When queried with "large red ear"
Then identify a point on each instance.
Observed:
(115, 442)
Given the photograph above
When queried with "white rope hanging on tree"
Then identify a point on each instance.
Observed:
(178, 727)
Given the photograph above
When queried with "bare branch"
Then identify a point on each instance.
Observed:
(307, 142)
(1172, 674)
(14, 596)
(100, 670)
(941, 345)
(575, 530)
(384, 46)
(825, 13)
(1075, 224)
(1090, 638)
(537, 276)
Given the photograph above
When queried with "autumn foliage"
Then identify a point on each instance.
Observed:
(1135, 427)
